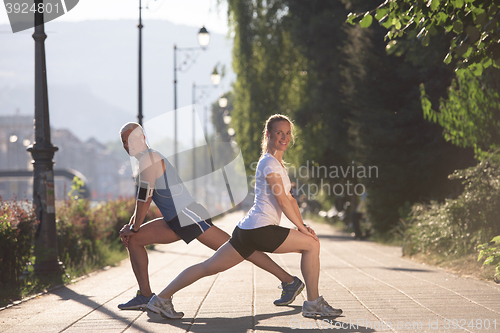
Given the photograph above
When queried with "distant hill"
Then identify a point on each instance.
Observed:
(72, 107)
(92, 72)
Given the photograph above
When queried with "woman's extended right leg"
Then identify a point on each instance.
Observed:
(309, 264)
(225, 258)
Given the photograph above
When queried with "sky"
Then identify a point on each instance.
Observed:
(18, 74)
(187, 12)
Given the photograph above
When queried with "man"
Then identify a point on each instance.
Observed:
(183, 218)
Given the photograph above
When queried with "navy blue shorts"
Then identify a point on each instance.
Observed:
(191, 222)
(264, 239)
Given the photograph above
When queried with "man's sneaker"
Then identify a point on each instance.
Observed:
(164, 308)
(319, 308)
(138, 302)
(290, 291)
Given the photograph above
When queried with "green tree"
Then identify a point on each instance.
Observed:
(471, 111)
(316, 30)
(349, 99)
(470, 115)
(474, 25)
(387, 127)
(268, 67)
(287, 57)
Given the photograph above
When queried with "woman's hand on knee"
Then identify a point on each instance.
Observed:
(310, 232)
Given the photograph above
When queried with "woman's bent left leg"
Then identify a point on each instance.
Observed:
(309, 263)
(225, 258)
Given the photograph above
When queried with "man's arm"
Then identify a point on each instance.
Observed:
(149, 166)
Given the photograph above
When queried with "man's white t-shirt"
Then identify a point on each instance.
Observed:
(265, 210)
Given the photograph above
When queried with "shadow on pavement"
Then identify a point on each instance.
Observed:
(408, 269)
(341, 237)
(67, 294)
(186, 254)
(246, 323)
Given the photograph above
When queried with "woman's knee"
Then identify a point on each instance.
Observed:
(313, 245)
(209, 269)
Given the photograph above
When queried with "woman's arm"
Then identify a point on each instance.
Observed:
(287, 203)
(295, 207)
(297, 211)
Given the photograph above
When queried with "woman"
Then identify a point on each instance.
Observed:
(259, 230)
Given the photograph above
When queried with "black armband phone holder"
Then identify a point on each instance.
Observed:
(144, 192)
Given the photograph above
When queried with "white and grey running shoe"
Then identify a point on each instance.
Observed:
(319, 308)
(165, 309)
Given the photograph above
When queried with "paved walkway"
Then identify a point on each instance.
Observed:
(378, 290)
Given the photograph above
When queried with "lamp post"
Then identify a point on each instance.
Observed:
(215, 78)
(140, 26)
(42, 150)
(190, 58)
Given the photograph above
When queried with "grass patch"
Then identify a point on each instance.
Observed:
(464, 266)
(452, 233)
(109, 255)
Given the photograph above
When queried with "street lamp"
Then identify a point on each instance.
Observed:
(205, 89)
(42, 150)
(191, 54)
(140, 26)
(203, 37)
(226, 117)
(223, 102)
(215, 77)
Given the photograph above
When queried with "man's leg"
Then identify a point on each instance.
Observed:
(215, 238)
(152, 232)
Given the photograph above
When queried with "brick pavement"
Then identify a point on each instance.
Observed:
(378, 290)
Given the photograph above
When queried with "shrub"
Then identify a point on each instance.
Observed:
(17, 221)
(87, 237)
(459, 226)
(491, 251)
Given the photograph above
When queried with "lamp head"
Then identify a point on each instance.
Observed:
(203, 37)
(215, 77)
(223, 102)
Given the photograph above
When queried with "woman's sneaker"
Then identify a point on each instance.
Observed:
(138, 302)
(290, 291)
(164, 308)
(319, 308)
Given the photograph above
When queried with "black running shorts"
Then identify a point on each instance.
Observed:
(197, 219)
(264, 239)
